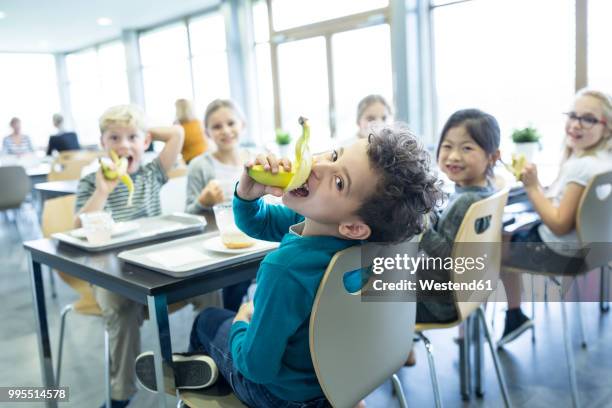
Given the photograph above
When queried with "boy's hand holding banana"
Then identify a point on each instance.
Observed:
(118, 172)
(268, 175)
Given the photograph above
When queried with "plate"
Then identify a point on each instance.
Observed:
(119, 228)
(215, 244)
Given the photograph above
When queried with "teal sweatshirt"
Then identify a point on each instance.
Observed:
(273, 349)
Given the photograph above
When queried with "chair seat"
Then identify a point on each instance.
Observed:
(513, 269)
(419, 327)
(197, 399)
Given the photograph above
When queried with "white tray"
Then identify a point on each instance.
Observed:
(188, 256)
(148, 229)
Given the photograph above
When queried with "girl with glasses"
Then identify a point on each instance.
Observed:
(553, 244)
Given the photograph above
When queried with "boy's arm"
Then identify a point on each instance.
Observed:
(264, 221)
(173, 137)
(92, 196)
(258, 347)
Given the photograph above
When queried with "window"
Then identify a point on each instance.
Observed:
(97, 80)
(291, 13)
(29, 92)
(263, 61)
(165, 69)
(497, 56)
(600, 33)
(209, 60)
(304, 92)
(362, 66)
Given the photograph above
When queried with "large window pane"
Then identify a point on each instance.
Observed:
(211, 81)
(291, 13)
(166, 73)
(303, 89)
(600, 34)
(362, 66)
(207, 34)
(521, 73)
(164, 45)
(29, 91)
(97, 80)
(265, 98)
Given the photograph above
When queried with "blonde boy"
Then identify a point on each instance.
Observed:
(123, 129)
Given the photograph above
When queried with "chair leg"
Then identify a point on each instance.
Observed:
(432, 369)
(533, 303)
(580, 321)
(604, 289)
(60, 346)
(52, 283)
(107, 369)
(479, 357)
(464, 361)
(399, 391)
(567, 340)
(500, 374)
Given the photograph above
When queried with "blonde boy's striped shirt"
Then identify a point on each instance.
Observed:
(148, 181)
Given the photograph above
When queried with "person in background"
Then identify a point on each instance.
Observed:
(123, 129)
(62, 140)
(16, 143)
(553, 240)
(212, 176)
(371, 110)
(195, 141)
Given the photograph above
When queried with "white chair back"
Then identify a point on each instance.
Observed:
(173, 195)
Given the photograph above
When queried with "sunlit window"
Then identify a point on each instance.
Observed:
(166, 74)
(599, 37)
(362, 66)
(29, 92)
(265, 97)
(210, 70)
(291, 13)
(97, 80)
(511, 58)
(303, 88)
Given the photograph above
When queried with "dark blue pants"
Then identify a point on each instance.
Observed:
(210, 335)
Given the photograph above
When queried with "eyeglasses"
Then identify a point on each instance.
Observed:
(586, 121)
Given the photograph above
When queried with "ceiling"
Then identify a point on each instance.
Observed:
(67, 25)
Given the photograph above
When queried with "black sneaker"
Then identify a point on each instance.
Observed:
(516, 324)
(192, 372)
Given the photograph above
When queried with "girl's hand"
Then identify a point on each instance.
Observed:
(245, 313)
(249, 189)
(103, 186)
(529, 176)
(211, 194)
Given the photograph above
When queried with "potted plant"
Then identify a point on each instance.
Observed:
(283, 140)
(526, 142)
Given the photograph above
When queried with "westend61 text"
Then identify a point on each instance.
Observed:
(429, 285)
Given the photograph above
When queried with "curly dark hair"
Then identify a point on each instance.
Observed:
(406, 191)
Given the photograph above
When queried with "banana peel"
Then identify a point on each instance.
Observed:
(118, 172)
(518, 164)
(289, 180)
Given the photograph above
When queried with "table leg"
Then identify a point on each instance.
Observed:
(158, 313)
(42, 326)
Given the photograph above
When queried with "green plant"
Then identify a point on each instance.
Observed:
(282, 137)
(525, 135)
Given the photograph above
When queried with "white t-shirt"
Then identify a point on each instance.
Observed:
(227, 175)
(579, 170)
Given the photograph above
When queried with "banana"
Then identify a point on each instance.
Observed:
(289, 180)
(518, 164)
(120, 172)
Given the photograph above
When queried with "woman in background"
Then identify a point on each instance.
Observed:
(195, 142)
(16, 143)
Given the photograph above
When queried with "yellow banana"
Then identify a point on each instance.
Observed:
(289, 180)
(120, 171)
(518, 164)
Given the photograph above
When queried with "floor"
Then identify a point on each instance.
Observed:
(536, 373)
